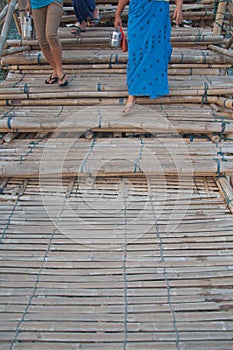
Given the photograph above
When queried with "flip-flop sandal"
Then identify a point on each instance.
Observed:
(65, 82)
(77, 30)
(94, 22)
(51, 80)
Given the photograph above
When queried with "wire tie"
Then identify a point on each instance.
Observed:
(38, 59)
(182, 58)
(137, 165)
(9, 122)
(26, 90)
(218, 166)
(121, 101)
(110, 61)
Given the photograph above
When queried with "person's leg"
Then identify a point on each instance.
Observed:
(129, 105)
(39, 18)
(53, 19)
(96, 13)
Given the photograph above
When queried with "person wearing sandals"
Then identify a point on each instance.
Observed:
(84, 11)
(149, 47)
(47, 15)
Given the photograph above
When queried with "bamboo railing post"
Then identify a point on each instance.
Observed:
(219, 17)
(17, 23)
(3, 13)
(6, 25)
(22, 12)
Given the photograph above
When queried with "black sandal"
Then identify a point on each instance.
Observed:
(65, 82)
(51, 80)
(77, 30)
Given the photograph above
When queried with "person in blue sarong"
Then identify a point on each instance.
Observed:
(149, 47)
(84, 10)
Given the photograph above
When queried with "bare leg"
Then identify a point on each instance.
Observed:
(47, 20)
(54, 54)
(96, 13)
(82, 25)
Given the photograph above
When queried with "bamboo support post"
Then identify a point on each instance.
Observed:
(17, 23)
(227, 191)
(6, 25)
(219, 17)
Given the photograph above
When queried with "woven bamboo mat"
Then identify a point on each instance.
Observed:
(70, 154)
(115, 263)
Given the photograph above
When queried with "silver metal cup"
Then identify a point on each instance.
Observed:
(115, 40)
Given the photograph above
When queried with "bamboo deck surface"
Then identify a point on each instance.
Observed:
(117, 230)
(78, 271)
(72, 155)
(169, 118)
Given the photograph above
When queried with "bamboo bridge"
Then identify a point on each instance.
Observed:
(117, 231)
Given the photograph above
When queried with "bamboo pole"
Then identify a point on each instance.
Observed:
(219, 17)
(17, 23)
(227, 191)
(6, 24)
(10, 137)
(3, 13)
(225, 102)
(220, 50)
(14, 50)
(229, 43)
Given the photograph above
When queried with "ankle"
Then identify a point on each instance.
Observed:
(131, 99)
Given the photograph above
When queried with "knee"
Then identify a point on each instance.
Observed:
(52, 40)
(43, 42)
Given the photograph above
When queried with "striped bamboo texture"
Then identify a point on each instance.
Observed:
(80, 272)
(173, 118)
(73, 155)
(107, 87)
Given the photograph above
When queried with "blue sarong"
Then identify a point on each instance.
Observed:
(83, 9)
(149, 48)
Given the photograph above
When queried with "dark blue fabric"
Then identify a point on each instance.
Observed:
(83, 9)
(149, 48)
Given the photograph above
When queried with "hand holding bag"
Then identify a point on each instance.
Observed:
(124, 42)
